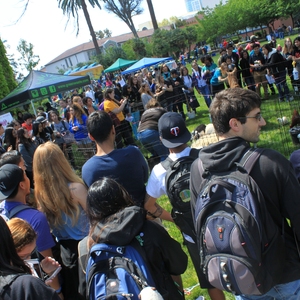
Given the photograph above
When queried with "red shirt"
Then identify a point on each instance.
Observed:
(28, 127)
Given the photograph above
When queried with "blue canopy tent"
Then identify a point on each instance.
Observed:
(145, 62)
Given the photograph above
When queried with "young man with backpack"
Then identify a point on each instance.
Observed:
(241, 199)
(166, 179)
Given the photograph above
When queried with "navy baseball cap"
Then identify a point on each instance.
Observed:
(10, 177)
(172, 130)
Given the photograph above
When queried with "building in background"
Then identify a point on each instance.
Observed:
(193, 5)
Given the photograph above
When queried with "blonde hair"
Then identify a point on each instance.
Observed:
(52, 176)
(152, 103)
(224, 68)
(22, 233)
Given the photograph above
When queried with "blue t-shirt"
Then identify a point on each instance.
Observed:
(215, 78)
(76, 231)
(127, 166)
(38, 222)
(82, 132)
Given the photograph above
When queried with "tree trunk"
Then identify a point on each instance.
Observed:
(152, 14)
(131, 27)
(89, 23)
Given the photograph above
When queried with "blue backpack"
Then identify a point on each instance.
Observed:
(237, 238)
(116, 272)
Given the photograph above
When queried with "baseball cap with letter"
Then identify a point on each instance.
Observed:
(172, 130)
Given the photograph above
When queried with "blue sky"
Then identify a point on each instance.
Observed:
(44, 25)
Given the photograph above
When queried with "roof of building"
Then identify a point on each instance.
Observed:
(90, 45)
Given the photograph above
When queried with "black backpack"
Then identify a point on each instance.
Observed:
(177, 180)
(237, 238)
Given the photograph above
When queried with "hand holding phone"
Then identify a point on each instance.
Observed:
(53, 275)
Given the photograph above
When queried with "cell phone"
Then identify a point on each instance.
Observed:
(53, 275)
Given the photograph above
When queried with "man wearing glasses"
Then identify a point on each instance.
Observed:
(237, 119)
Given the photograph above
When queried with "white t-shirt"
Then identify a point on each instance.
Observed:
(156, 183)
(90, 94)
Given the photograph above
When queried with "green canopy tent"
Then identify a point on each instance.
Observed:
(120, 63)
(39, 85)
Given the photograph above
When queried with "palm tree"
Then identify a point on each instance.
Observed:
(152, 14)
(71, 7)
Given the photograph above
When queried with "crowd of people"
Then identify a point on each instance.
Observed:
(56, 217)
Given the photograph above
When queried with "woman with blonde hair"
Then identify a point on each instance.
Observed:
(79, 100)
(287, 54)
(61, 195)
(146, 94)
(24, 238)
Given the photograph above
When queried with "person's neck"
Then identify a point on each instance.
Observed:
(105, 148)
(18, 198)
(178, 149)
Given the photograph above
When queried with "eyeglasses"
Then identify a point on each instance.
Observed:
(258, 117)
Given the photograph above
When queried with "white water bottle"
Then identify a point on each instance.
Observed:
(295, 71)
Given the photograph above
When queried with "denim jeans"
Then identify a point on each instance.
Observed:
(250, 83)
(205, 92)
(281, 85)
(287, 291)
(151, 141)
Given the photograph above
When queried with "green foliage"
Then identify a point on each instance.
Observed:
(8, 79)
(110, 55)
(235, 15)
(28, 59)
(161, 47)
(139, 48)
(106, 33)
(128, 49)
(4, 90)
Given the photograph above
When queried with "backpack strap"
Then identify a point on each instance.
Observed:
(250, 157)
(98, 248)
(10, 214)
(6, 281)
(168, 161)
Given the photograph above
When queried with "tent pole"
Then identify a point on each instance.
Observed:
(33, 107)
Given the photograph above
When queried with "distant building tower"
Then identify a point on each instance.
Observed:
(193, 5)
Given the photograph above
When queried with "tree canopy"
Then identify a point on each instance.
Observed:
(125, 10)
(236, 15)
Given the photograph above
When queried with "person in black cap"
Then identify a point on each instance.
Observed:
(14, 188)
(47, 133)
(174, 135)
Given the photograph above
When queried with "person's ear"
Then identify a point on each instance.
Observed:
(234, 124)
(91, 137)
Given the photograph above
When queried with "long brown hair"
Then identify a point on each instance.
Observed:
(78, 113)
(52, 176)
